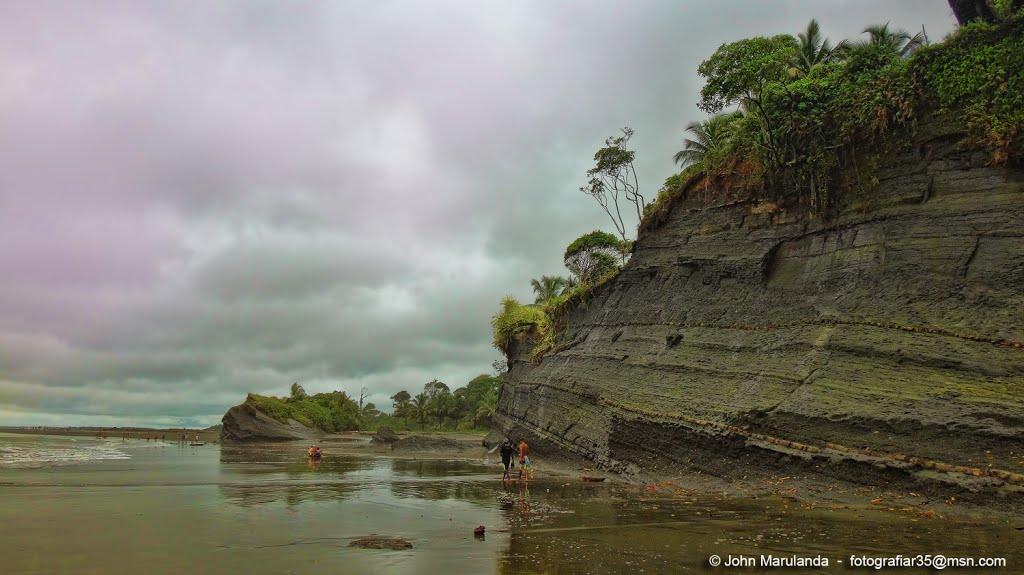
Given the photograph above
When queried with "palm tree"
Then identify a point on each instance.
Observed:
(896, 41)
(710, 138)
(486, 408)
(570, 283)
(441, 407)
(547, 287)
(813, 49)
(419, 407)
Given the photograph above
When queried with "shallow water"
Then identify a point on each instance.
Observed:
(150, 507)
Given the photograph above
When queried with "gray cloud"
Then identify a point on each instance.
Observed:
(199, 200)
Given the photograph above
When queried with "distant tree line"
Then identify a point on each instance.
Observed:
(436, 407)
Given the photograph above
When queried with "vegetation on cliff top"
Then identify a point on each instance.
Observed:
(807, 113)
(591, 259)
(795, 120)
(329, 412)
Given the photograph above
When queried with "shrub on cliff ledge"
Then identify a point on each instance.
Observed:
(516, 319)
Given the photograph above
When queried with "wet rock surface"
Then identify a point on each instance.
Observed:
(245, 423)
(881, 345)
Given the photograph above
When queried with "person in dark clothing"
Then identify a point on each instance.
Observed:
(507, 450)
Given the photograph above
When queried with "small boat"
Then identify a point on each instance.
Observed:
(592, 479)
(197, 443)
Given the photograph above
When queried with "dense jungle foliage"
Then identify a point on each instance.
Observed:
(806, 112)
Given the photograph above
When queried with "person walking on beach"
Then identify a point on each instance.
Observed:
(524, 460)
(507, 450)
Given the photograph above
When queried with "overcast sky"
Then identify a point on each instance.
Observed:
(200, 199)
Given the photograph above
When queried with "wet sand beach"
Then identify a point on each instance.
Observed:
(160, 508)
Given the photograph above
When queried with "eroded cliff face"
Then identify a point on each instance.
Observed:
(880, 345)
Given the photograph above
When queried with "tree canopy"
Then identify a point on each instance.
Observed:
(739, 71)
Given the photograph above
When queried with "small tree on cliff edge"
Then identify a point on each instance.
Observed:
(613, 181)
(739, 73)
(593, 255)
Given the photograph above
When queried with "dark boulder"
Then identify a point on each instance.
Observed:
(427, 442)
(385, 435)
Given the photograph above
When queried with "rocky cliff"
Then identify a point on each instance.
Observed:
(246, 423)
(882, 344)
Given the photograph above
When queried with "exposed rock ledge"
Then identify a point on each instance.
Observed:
(245, 423)
(883, 346)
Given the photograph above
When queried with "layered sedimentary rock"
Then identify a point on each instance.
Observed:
(246, 423)
(882, 343)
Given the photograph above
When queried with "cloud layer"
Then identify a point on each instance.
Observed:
(203, 199)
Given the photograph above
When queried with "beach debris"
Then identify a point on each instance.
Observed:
(381, 542)
(506, 499)
(592, 479)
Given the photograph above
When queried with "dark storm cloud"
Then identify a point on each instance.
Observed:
(203, 199)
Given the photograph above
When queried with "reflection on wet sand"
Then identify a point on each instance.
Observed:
(270, 509)
(271, 459)
(337, 476)
(617, 532)
(290, 495)
(567, 526)
(435, 467)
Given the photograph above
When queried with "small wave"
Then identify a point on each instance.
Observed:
(15, 456)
